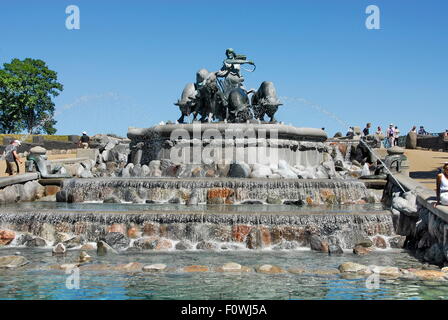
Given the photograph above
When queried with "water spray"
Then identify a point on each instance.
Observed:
(345, 124)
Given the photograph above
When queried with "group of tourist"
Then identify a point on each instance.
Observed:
(392, 134)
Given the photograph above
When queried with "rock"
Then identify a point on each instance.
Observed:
(74, 241)
(125, 173)
(24, 238)
(117, 227)
(240, 232)
(220, 196)
(352, 267)
(195, 268)
(239, 170)
(59, 249)
(136, 171)
(260, 171)
(430, 275)
(406, 204)
(206, 245)
(51, 190)
(296, 270)
(6, 237)
(112, 199)
(360, 250)
(84, 257)
(317, 244)
(158, 267)
(133, 232)
(10, 194)
(366, 243)
(48, 232)
(32, 190)
(47, 199)
(11, 262)
(183, 245)
(146, 242)
(397, 242)
(129, 267)
(38, 150)
(335, 249)
(435, 254)
(117, 240)
(62, 237)
(36, 242)
(193, 199)
(163, 244)
(175, 200)
(325, 272)
(379, 242)
(88, 247)
(223, 169)
(395, 150)
(411, 140)
(269, 269)
(103, 248)
(68, 266)
(145, 170)
(273, 200)
(86, 174)
(249, 202)
(298, 203)
(64, 196)
(231, 267)
(392, 272)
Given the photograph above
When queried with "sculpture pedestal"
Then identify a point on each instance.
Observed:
(200, 143)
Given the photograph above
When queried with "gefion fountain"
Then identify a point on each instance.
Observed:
(229, 179)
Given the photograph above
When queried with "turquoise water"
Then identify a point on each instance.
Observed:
(39, 281)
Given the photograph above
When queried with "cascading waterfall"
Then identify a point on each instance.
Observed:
(162, 190)
(251, 230)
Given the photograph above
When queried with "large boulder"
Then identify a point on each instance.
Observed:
(239, 169)
(411, 140)
(351, 267)
(6, 237)
(117, 240)
(10, 262)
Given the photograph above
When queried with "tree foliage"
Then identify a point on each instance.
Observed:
(26, 91)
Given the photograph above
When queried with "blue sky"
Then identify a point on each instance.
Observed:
(130, 60)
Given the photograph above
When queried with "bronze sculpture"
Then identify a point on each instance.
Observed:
(227, 100)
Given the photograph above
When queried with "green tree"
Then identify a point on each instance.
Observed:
(26, 91)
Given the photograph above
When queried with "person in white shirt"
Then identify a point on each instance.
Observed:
(442, 187)
(391, 135)
(396, 135)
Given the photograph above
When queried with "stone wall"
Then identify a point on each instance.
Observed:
(425, 227)
(432, 142)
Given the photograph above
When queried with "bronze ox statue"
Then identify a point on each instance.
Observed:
(227, 100)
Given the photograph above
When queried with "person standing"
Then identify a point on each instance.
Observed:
(442, 186)
(391, 135)
(84, 141)
(396, 135)
(366, 129)
(422, 131)
(12, 158)
(379, 131)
